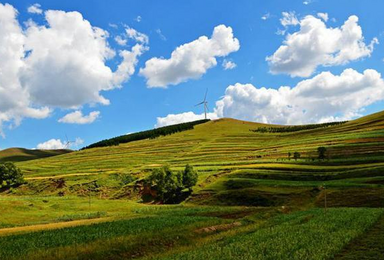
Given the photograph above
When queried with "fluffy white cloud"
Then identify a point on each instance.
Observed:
(75, 53)
(316, 45)
(228, 65)
(173, 119)
(289, 18)
(55, 144)
(59, 64)
(323, 16)
(325, 97)
(137, 36)
(120, 40)
(15, 99)
(35, 9)
(191, 60)
(77, 117)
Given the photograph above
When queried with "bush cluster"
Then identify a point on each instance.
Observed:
(294, 128)
(172, 187)
(10, 176)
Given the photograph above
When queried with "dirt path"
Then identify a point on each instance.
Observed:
(61, 176)
(369, 246)
(39, 227)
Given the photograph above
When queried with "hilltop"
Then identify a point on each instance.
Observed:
(22, 154)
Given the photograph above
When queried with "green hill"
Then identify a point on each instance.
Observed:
(238, 165)
(22, 154)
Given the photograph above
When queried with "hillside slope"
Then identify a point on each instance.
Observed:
(237, 165)
(22, 154)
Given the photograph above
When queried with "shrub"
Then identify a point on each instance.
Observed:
(170, 187)
(10, 175)
(321, 151)
(294, 128)
(125, 178)
(189, 177)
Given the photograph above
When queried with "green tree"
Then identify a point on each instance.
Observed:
(170, 187)
(189, 177)
(10, 175)
(296, 155)
(321, 151)
(166, 184)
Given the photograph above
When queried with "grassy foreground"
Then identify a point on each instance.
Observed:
(192, 232)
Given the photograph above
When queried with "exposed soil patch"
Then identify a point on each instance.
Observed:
(217, 228)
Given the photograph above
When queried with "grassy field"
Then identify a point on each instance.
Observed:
(250, 200)
(189, 232)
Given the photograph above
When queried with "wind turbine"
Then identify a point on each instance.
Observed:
(205, 103)
(68, 143)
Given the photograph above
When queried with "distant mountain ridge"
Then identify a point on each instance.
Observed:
(21, 154)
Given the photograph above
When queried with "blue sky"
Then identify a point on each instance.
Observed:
(136, 106)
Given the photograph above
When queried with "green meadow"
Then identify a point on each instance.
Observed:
(253, 198)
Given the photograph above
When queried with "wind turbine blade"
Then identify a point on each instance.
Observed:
(205, 97)
(199, 104)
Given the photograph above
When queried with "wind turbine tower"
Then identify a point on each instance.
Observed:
(68, 143)
(205, 103)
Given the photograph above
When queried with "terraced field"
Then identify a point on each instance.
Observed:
(232, 159)
(251, 197)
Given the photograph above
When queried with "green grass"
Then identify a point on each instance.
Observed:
(303, 235)
(19, 245)
(172, 233)
(140, 227)
(369, 246)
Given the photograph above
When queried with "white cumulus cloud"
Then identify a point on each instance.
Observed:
(317, 45)
(190, 60)
(56, 144)
(323, 16)
(288, 19)
(35, 9)
(228, 65)
(137, 36)
(120, 40)
(325, 97)
(173, 119)
(77, 117)
(58, 64)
